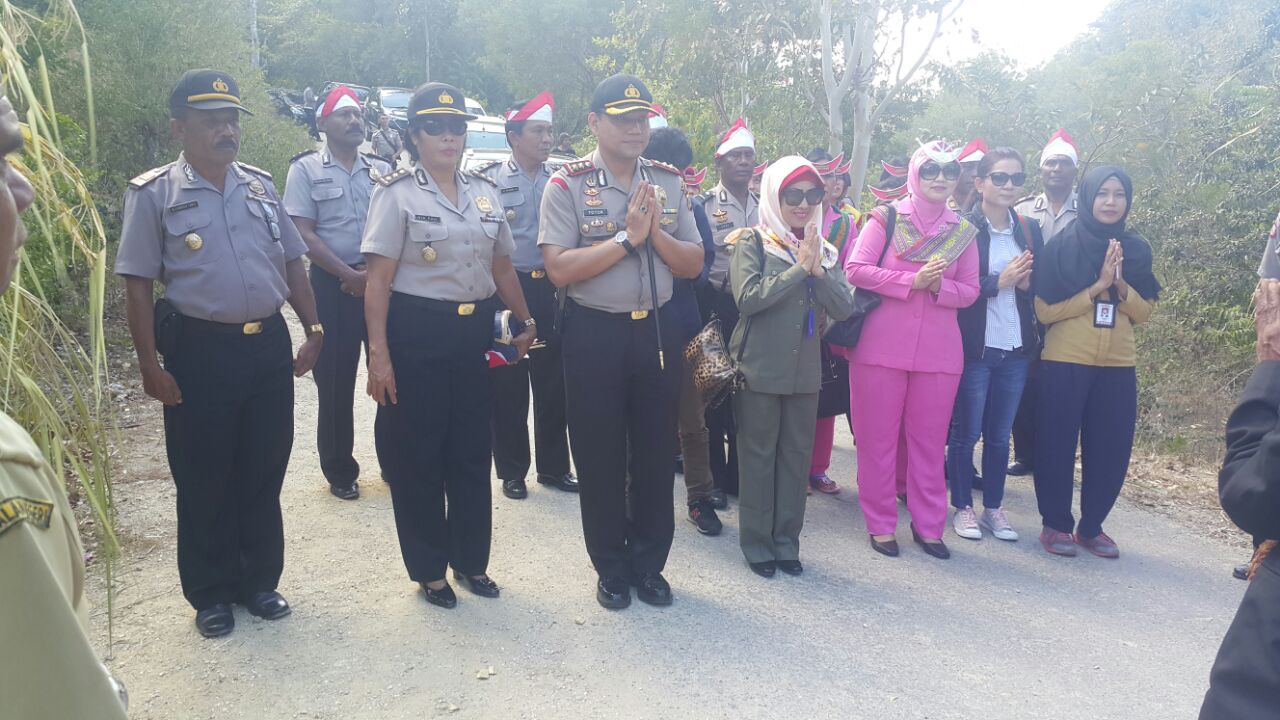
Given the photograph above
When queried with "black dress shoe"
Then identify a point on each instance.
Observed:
(484, 586)
(764, 569)
(346, 492)
(1019, 468)
(215, 620)
(884, 547)
(1240, 572)
(515, 489)
(269, 605)
(443, 597)
(653, 589)
(566, 482)
(936, 549)
(790, 567)
(613, 593)
(719, 500)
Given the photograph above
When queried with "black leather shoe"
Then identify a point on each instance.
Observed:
(886, 547)
(484, 586)
(719, 500)
(1019, 468)
(566, 482)
(1240, 572)
(764, 569)
(653, 589)
(346, 492)
(215, 620)
(443, 597)
(936, 549)
(515, 489)
(613, 593)
(790, 567)
(269, 605)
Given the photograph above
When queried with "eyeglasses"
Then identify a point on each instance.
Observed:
(794, 196)
(440, 126)
(931, 170)
(1000, 179)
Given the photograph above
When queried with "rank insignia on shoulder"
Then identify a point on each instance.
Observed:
(478, 174)
(255, 170)
(733, 237)
(387, 180)
(147, 177)
(485, 167)
(17, 510)
(578, 167)
(664, 166)
(301, 155)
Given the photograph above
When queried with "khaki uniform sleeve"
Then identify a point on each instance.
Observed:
(141, 251)
(384, 233)
(558, 224)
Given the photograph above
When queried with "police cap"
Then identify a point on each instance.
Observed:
(435, 99)
(620, 94)
(205, 89)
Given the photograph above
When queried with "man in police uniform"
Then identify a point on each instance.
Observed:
(386, 141)
(521, 182)
(614, 228)
(212, 231)
(327, 197)
(729, 205)
(48, 667)
(1054, 209)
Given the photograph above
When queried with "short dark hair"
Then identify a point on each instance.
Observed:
(671, 146)
(994, 156)
(818, 155)
(516, 126)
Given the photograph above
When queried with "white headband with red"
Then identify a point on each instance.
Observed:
(539, 108)
(737, 136)
(339, 98)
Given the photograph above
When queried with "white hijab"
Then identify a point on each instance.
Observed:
(779, 240)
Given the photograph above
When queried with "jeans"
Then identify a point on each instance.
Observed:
(990, 390)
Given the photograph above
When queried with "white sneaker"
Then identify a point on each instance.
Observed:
(965, 523)
(998, 523)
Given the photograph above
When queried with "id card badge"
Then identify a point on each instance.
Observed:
(1104, 314)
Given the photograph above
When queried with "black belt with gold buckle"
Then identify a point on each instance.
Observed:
(485, 307)
(253, 327)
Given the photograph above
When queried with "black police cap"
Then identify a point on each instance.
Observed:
(620, 94)
(206, 89)
(436, 99)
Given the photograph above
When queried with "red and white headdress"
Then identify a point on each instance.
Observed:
(1060, 143)
(760, 169)
(893, 170)
(339, 98)
(973, 152)
(888, 194)
(539, 108)
(737, 136)
(659, 117)
(834, 166)
(693, 177)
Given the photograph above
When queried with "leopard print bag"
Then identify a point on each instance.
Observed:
(714, 372)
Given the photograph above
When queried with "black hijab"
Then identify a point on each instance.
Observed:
(1072, 260)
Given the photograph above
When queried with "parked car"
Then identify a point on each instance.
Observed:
(391, 101)
(486, 140)
(288, 103)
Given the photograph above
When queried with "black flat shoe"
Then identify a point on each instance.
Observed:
(443, 597)
(566, 482)
(1240, 572)
(269, 605)
(515, 489)
(887, 547)
(1018, 469)
(653, 589)
(613, 593)
(936, 549)
(790, 567)
(345, 492)
(215, 620)
(764, 569)
(484, 586)
(719, 499)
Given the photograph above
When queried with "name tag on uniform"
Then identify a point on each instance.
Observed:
(595, 212)
(427, 218)
(1104, 314)
(509, 190)
(725, 226)
(183, 206)
(322, 181)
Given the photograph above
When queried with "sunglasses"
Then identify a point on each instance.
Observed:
(1000, 179)
(794, 196)
(440, 126)
(931, 170)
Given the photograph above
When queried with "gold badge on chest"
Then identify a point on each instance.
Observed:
(257, 187)
(483, 203)
(511, 214)
(593, 202)
(660, 194)
(720, 215)
(194, 241)
(429, 254)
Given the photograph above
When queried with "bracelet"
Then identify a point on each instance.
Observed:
(530, 323)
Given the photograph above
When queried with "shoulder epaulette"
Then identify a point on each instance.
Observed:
(485, 167)
(255, 170)
(478, 173)
(147, 177)
(1021, 200)
(301, 155)
(578, 167)
(669, 168)
(389, 180)
(706, 195)
(739, 233)
(371, 156)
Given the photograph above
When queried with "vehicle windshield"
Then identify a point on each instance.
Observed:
(484, 140)
(397, 99)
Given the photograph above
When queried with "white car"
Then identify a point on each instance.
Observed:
(486, 141)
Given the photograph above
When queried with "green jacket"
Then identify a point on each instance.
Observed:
(773, 298)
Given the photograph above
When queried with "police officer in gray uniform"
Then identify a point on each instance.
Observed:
(212, 231)
(327, 196)
(521, 181)
(439, 252)
(615, 228)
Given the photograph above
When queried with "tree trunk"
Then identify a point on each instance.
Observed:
(863, 50)
(426, 39)
(255, 56)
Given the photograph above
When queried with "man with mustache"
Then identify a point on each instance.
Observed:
(212, 231)
(327, 197)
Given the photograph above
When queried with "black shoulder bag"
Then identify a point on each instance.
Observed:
(846, 332)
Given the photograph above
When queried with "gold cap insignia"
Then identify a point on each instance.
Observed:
(631, 92)
(445, 98)
(220, 85)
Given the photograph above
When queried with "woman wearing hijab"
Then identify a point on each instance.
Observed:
(906, 367)
(786, 285)
(1093, 283)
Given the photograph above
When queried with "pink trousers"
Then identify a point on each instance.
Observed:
(901, 417)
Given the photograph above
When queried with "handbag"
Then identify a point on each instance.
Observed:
(846, 332)
(715, 371)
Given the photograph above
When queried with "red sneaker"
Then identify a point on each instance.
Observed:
(1058, 543)
(1102, 545)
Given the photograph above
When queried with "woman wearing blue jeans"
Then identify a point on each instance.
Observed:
(1000, 338)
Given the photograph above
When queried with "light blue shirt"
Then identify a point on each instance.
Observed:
(1004, 327)
(521, 197)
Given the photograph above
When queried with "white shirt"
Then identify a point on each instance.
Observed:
(1004, 327)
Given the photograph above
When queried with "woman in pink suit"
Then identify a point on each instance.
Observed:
(906, 367)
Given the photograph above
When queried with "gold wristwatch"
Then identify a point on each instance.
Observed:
(313, 329)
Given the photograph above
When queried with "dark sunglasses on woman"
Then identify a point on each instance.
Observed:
(931, 170)
(1000, 179)
(440, 126)
(793, 196)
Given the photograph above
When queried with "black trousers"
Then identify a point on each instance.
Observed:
(511, 384)
(228, 444)
(335, 375)
(1024, 423)
(722, 442)
(1243, 683)
(433, 444)
(1097, 406)
(622, 420)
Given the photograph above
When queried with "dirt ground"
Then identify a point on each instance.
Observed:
(1002, 630)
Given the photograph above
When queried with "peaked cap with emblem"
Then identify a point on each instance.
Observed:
(436, 99)
(622, 93)
(206, 89)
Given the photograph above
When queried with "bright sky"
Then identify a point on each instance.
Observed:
(1029, 31)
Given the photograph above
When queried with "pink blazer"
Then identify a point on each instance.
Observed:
(912, 330)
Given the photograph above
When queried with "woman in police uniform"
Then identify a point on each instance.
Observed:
(438, 251)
